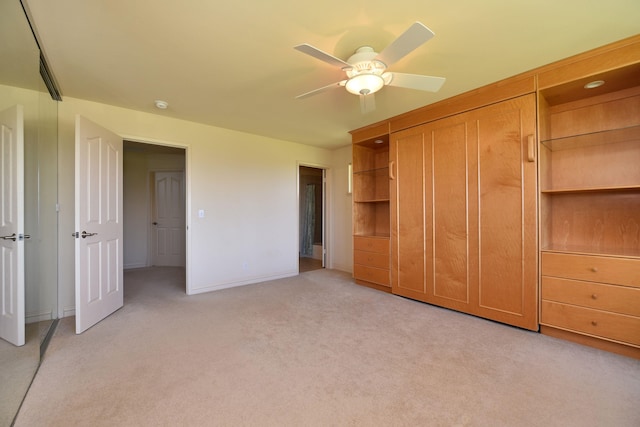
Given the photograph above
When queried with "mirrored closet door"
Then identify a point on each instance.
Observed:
(21, 84)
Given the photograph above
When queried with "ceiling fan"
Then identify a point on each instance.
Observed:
(366, 69)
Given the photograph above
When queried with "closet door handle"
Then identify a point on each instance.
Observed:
(392, 173)
(531, 148)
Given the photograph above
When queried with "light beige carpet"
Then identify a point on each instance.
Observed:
(317, 350)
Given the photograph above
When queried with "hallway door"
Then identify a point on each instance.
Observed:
(98, 220)
(168, 236)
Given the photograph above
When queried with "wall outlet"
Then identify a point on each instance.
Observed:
(245, 266)
(201, 213)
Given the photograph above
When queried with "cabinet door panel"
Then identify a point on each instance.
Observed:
(507, 288)
(451, 282)
(463, 213)
(411, 211)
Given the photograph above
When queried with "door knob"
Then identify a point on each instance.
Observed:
(85, 234)
(18, 237)
(154, 223)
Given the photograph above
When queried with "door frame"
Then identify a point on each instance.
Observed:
(327, 261)
(187, 199)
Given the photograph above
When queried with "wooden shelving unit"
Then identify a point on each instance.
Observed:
(371, 221)
(590, 215)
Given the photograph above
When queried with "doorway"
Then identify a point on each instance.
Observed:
(154, 205)
(311, 196)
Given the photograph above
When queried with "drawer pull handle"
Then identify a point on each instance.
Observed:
(594, 269)
(594, 323)
(594, 296)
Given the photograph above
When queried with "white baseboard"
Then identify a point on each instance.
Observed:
(69, 311)
(38, 317)
(345, 268)
(134, 265)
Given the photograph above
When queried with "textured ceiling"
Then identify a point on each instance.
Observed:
(232, 64)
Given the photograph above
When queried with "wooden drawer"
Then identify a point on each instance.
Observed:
(371, 259)
(371, 274)
(371, 244)
(618, 299)
(618, 327)
(619, 271)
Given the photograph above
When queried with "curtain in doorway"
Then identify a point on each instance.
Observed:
(309, 220)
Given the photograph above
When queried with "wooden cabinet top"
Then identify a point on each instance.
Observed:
(617, 63)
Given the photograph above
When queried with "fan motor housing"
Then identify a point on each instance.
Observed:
(362, 61)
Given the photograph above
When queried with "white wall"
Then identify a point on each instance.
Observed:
(247, 185)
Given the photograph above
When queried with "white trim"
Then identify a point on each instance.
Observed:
(39, 317)
(326, 223)
(135, 265)
(187, 202)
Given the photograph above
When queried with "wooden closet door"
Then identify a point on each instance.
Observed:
(454, 214)
(507, 246)
(411, 207)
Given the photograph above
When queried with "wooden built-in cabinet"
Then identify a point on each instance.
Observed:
(463, 217)
(371, 259)
(483, 209)
(590, 210)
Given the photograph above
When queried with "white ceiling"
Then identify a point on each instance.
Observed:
(232, 64)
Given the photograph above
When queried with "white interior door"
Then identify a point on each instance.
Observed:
(12, 225)
(99, 232)
(168, 219)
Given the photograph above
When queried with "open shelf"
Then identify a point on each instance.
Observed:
(384, 170)
(375, 236)
(371, 185)
(614, 136)
(372, 201)
(606, 161)
(592, 189)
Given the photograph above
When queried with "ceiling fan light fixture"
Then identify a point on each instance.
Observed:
(364, 84)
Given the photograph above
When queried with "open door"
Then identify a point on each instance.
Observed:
(12, 225)
(99, 231)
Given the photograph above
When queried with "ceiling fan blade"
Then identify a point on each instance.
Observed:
(416, 81)
(322, 89)
(367, 103)
(323, 56)
(414, 36)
